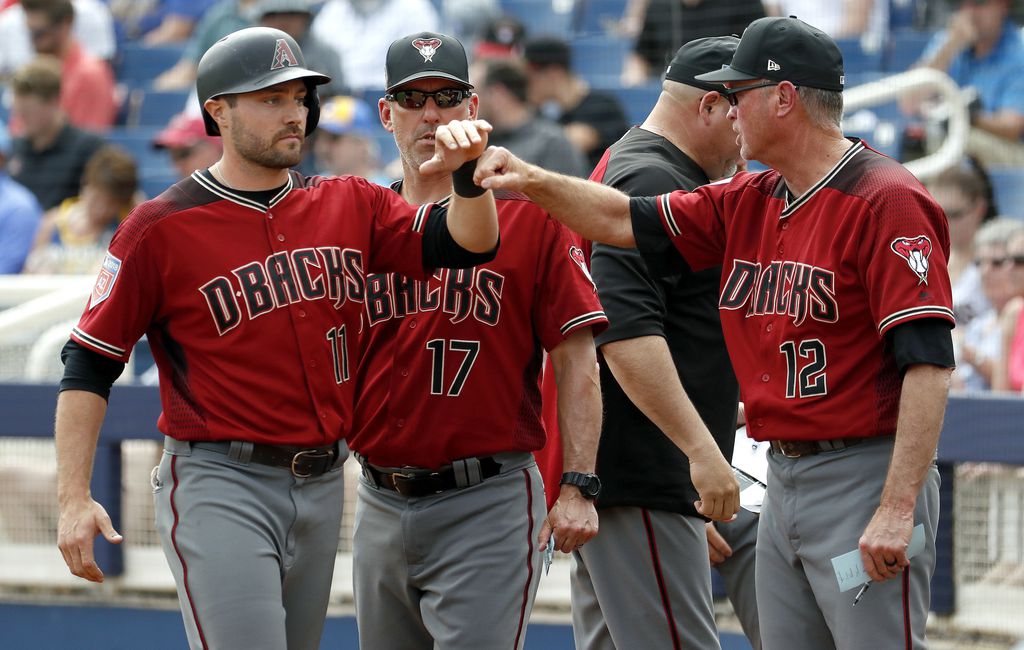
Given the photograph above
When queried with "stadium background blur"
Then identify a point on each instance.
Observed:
(978, 593)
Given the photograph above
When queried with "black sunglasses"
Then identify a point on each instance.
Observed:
(444, 98)
(731, 94)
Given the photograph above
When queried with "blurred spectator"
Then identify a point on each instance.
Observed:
(87, 83)
(93, 28)
(593, 120)
(667, 24)
(19, 214)
(965, 194)
(867, 20)
(221, 19)
(73, 237)
(189, 147)
(979, 342)
(345, 143)
(982, 49)
(294, 17)
(159, 22)
(1009, 374)
(50, 155)
(468, 19)
(502, 38)
(362, 30)
(502, 87)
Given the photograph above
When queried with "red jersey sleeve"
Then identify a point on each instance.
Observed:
(693, 221)
(566, 294)
(397, 231)
(127, 291)
(904, 257)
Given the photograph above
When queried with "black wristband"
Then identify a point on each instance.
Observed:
(462, 181)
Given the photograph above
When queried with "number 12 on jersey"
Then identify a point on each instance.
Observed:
(469, 349)
(805, 379)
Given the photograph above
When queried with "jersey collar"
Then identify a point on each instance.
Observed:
(783, 192)
(396, 187)
(230, 195)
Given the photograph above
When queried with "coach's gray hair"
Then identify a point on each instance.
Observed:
(824, 107)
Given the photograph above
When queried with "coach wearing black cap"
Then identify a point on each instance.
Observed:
(836, 307)
(669, 391)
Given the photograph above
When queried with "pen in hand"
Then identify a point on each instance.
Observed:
(856, 599)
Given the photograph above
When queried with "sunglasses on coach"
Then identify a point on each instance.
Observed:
(732, 94)
(444, 98)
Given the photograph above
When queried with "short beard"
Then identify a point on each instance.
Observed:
(258, 151)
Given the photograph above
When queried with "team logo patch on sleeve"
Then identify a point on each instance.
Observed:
(105, 280)
(576, 255)
(916, 251)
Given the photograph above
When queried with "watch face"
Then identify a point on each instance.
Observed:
(593, 486)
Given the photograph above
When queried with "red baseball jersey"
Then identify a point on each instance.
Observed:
(452, 365)
(253, 314)
(811, 285)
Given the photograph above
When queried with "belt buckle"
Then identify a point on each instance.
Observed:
(785, 448)
(403, 481)
(309, 454)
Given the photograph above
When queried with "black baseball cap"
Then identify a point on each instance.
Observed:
(426, 55)
(784, 49)
(699, 56)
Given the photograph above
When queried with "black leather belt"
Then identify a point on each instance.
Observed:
(419, 482)
(798, 448)
(303, 463)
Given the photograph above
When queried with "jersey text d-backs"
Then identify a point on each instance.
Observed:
(252, 313)
(451, 365)
(810, 286)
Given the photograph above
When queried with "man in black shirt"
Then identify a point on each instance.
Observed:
(667, 24)
(669, 389)
(50, 156)
(592, 119)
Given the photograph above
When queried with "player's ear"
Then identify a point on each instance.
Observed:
(786, 96)
(217, 108)
(709, 103)
(474, 106)
(384, 112)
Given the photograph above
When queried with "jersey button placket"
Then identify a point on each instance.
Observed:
(766, 377)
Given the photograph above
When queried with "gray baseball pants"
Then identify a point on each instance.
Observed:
(251, 547)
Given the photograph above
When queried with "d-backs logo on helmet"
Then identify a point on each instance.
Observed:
(577, 255)
(427, 47)
(916, 251)
(283, 56)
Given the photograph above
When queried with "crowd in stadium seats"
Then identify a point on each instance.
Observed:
(97, 99)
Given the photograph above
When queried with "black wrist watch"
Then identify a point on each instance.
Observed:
(589, 484)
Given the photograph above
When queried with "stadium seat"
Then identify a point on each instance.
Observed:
(137, 66)
(598, 59)
(856, 58)
(905, 48)
(1008, 186)
(541, 17)
(637, 102)
(591, 17)
(148, 108)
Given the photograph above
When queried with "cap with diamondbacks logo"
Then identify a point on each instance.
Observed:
(426, 55)
(700, 56)
(784, 49)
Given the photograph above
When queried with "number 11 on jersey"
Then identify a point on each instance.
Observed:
(339, 352)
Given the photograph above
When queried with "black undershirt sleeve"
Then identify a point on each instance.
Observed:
(440, 250)
(87, 370)
(925, 340)
(662, 258)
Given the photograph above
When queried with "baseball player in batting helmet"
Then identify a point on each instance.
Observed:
(836, 307)
(450, 406)
(248, 279)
